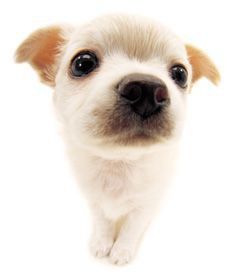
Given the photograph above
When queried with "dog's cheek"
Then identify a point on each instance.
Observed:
(82, 121)
(70, 95)
(178, 110)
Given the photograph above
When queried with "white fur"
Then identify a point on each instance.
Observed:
(119, 182)
(123, 184)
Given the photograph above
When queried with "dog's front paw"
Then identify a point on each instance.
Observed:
(121, 255)
(101, 247)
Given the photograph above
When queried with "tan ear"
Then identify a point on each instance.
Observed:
(41, 50)
(202, 66)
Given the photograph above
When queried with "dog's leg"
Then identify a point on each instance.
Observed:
(103, 234)
(129, 236)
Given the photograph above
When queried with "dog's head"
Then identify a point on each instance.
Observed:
(120, 81)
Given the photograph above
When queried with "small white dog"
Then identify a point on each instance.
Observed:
(120, 88)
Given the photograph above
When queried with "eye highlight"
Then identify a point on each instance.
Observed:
(180, 75)
(84, 63)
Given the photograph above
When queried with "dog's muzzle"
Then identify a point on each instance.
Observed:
(145, 94)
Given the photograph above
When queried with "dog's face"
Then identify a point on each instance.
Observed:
(119, 81)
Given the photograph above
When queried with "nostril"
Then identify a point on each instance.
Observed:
(144, 94)
(160, 95)
(132, 93)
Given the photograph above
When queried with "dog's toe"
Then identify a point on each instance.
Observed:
(101, 247)
(121, 255)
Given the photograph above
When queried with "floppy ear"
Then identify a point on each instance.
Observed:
(41, 49)
(202, 66)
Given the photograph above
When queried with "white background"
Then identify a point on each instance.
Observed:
(44, 220)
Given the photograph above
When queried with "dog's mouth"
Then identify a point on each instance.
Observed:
(122, 126)
(146, 131)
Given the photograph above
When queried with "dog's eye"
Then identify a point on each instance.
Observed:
(180, 75)
(84, 63)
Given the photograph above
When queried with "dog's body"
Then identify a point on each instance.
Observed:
(120, 91)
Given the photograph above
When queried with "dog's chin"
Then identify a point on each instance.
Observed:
(135, 139)
(124, 145)
(117, 132)
(116, 150)
(122, 127)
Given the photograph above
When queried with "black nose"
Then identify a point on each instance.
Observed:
(144, 93)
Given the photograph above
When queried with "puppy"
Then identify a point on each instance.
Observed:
(120, 88)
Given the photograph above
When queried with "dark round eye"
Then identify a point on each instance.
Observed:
(180, 75)
(84, 63)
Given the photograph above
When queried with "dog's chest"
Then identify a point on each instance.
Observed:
(113, 176)
(120, 186)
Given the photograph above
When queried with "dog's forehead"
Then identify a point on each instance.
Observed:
(136, 37)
